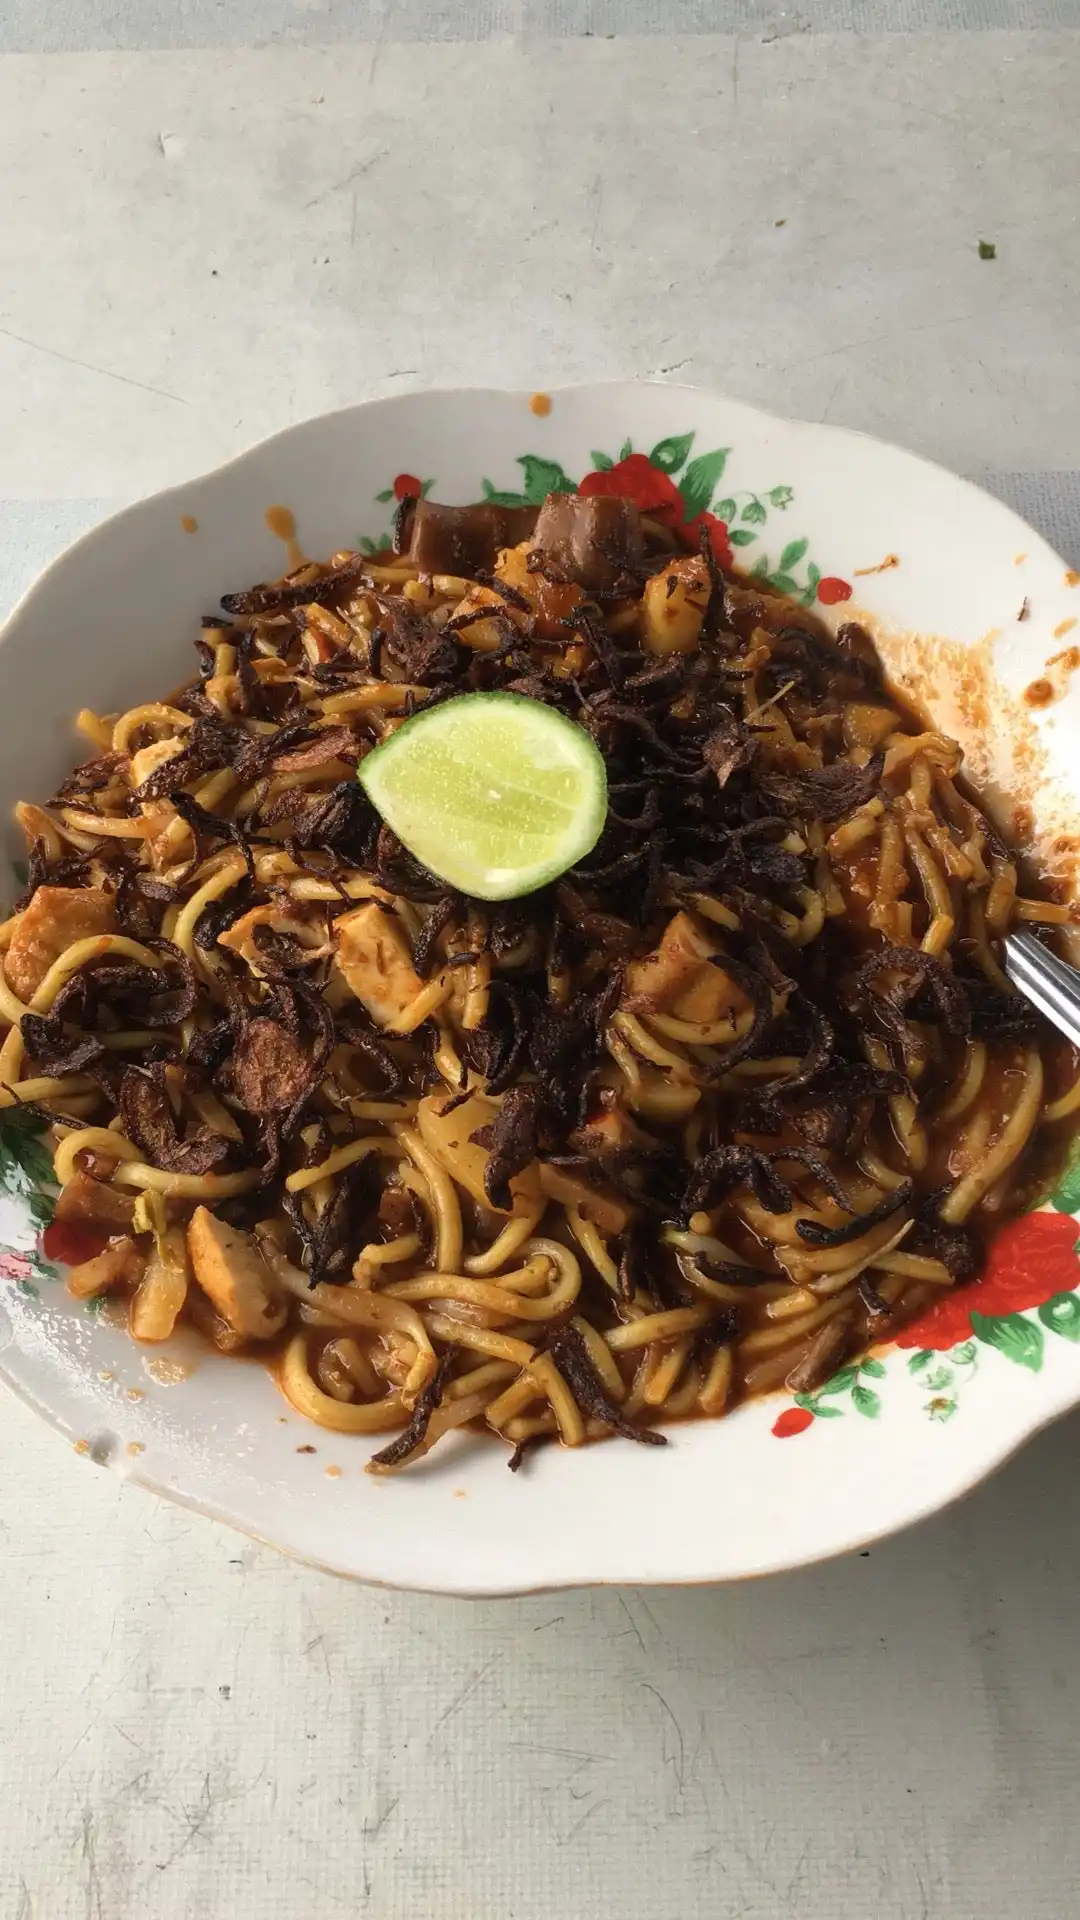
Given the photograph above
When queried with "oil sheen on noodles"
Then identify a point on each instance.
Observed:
(739, 1095)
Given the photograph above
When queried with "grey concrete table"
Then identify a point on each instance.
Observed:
(222, 215)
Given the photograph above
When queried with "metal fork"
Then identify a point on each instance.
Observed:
(1049, 983)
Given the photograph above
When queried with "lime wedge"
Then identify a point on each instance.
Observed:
(495, 793)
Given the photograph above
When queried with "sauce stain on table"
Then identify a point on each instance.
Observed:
(282, 524)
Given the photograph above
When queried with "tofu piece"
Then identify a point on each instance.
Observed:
(54, 920)
(373, 954)
(608, 1130)
(148, 759)
(673, 606)
(657, 981)
(550, 602)
(230, 1269)
(119, 1262)
(448, 1137)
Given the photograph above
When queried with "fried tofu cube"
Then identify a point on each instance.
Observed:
(448, 1135)
(656, 982)
(230, 1269)
(673, 606)
(148, 759)
(54, 920)
(373, 954)
(684, 976)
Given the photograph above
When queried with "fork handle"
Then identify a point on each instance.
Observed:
(1049, 983)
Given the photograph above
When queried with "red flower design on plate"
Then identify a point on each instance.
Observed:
(832, 589)
(71, 1242)
(14, 1266)
(407, 487)
(793, 1420)
(718, 536)
(1030, 1260)
(635, 478)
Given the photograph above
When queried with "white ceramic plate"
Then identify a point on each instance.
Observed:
(112, 621)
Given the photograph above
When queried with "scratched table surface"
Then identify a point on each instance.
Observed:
(221, 216)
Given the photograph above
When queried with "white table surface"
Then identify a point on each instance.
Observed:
(224, 215)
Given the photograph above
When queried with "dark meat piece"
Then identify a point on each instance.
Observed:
(149, 1121)
(826, 793)
(718, 1172)
(729, 749)
(269, 599)
(596, 542)
(829, 1346)
(55, 1050)
(212, 827)
(209, 745)
(406, 1443)
(270, 1068)
(958, 1248)
(925, 987)
(511, 1142)
(571, 1356)
(465, 540)
(815, 1235)
(334, 1240)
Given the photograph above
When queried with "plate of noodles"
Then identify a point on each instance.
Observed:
(607, 1077)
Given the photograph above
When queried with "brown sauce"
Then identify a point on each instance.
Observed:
(281, 522)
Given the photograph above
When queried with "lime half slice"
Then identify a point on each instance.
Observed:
(495, 793)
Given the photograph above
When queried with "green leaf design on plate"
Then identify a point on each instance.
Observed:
(669, 454)
(753, 513)
(1062, 1315)
(626, 450)
(1018, 1339)
(725, 509)
(386, 494)
(41, 1209)
(602, 462)
(1066, 1197)
(941, 1409)
(792, 554)
(841, 1381)
(963, 1355)
(500, 498)
(698, 483)
(938, 1379)
(27, 1289)
(813, 1405)
(872, 1369)
(543, 477)
(813, 574)
(920, 1360)
(742, 537)
(760, 568)
(783, 583)
(366, 545)
(24, 1163)
(865, 1401)
(781, 496)
(426, 488)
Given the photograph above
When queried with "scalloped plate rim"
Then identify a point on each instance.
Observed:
(958, 1476)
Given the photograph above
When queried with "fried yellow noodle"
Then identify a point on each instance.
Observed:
(731, 1101)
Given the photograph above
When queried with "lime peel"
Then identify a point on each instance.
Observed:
(495, 793)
